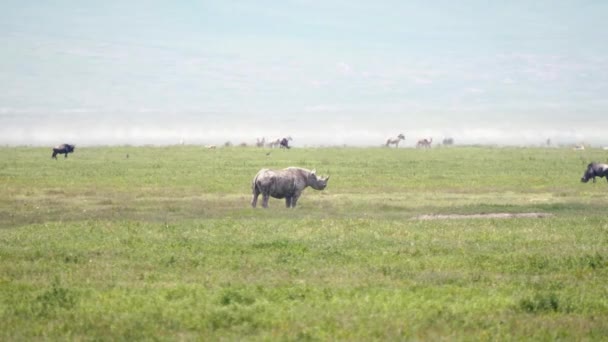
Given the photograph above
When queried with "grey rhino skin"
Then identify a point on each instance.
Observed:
(63, 149)
(595, 170)
(287, 183)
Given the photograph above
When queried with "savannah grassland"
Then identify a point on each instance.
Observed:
(164, 245)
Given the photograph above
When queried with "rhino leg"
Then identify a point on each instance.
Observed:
(254, 199)
(265, 198)
(294, 200)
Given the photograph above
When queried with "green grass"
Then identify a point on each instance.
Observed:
(164, 245)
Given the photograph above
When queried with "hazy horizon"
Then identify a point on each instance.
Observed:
(111, 132)
(323, 72)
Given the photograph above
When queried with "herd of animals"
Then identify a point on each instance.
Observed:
(422, 143)
(289, 183)
(279, 142)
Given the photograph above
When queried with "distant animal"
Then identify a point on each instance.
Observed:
(63, 149)
(426, 143)
(274, 143)
(287, 183)
(395, 141)
(285, 142)
(210, 147)
(595, 170)
(280, 142)
(448, 141)
(260, 143)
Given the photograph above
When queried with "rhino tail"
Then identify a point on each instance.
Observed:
(255, 179)
(254, 184)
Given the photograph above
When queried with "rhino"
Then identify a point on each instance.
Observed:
(287, 183)
(63, 149)
(595, 170)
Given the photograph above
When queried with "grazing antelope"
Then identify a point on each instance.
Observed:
(395, 141)
(274, 143)
(426, 143)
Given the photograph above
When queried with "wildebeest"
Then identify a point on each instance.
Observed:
(280, 142)
(63, 148)
(595, 170)
(285, 143)
(448, 141)
(287, 183)
(395, 141)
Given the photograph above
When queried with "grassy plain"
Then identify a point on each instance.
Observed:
(131, 243)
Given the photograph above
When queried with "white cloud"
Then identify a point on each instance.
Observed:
(344, 68)
(318, 83)
(422, 81)
(323, 108)
(474, 90)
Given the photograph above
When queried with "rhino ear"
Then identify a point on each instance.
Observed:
(314, 171)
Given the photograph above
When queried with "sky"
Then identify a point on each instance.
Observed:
(323, 72)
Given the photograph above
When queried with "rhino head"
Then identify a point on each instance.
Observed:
(315, 182)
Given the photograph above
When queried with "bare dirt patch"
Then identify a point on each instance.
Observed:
(488, 215)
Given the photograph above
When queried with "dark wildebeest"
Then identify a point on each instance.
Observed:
(595, 170)
(287, 183)
(63, 149)
(285, 143)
